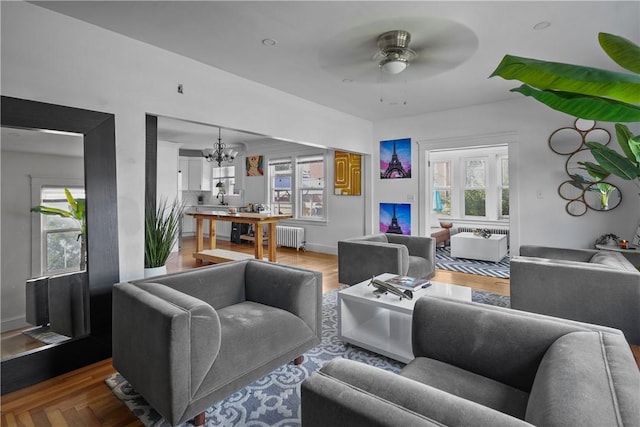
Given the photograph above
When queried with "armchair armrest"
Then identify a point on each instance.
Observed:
(296, 290)
(164, 343)
(495, 342)
(359, 260)
(345, 392)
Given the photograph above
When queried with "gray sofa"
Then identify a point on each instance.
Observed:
(479, 365)
(600, 287)
(361, 257)
(187, 340)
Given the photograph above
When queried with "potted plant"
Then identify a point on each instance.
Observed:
(77, 211)
(161, 224)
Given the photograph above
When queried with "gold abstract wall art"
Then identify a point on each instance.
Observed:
(347, 180)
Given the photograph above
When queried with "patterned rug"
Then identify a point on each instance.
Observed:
(274, 400)
(445, 261)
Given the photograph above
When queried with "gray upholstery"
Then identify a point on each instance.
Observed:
(189, 339)
(62, 301)
(600, 287)
(478, 365)
(359, 258)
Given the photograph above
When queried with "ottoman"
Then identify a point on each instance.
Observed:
(468, 245)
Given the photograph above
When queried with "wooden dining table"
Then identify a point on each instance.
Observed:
(256, 219)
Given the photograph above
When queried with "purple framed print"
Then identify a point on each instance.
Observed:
(395, 218)
(395, 158)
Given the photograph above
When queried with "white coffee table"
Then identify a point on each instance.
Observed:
(383, 325)
(468, 245)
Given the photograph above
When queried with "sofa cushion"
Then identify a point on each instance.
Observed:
(613, 260)
(468, 385)
(253, 335)
(580, 381)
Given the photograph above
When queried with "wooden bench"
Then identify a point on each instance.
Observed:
(218, 256)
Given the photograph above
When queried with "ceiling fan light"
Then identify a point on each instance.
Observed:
(393, 66)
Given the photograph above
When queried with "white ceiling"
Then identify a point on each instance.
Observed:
(322, 43)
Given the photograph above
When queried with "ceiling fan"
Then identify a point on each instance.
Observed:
(394, 55)
(428, 46)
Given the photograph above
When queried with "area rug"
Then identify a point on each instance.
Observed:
(274, 400)
(45, 335)
(445, 261)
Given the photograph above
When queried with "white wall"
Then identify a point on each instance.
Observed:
(533, 168)
(17, 170)
(53, 58)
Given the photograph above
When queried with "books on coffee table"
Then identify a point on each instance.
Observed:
(406, 282)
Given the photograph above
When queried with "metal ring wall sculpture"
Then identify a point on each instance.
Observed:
(581, 190)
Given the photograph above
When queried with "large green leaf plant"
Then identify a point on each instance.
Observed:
(593, 94)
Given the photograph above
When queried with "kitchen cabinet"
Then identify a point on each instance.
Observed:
(196, 174)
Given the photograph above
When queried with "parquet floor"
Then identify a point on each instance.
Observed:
(81, 398)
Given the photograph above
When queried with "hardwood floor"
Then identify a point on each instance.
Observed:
(81, 398)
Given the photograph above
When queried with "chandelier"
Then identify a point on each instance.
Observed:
(219, 153)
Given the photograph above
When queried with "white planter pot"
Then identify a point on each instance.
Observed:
(155, 271)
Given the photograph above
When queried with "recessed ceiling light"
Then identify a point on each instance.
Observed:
(269, 42)
(542, 25)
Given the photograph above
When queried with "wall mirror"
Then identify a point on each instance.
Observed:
(38, 165)
(583, 191)
(98, 133)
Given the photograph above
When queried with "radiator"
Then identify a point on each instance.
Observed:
(292, 237)
(491, 230)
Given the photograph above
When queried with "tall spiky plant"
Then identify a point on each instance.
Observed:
(162, 224)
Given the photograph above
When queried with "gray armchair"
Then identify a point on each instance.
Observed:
(359, 258)
(187, 340)
(600, 287)
(479, 365)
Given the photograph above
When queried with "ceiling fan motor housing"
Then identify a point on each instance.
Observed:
(394, 52)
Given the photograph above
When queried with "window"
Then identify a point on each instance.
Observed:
(442, 187)
(302, 194)
(60, 235)
(475, 173)
(311, 188)
(504, 187)
(280, 186)
(470, 183)
(226, 175)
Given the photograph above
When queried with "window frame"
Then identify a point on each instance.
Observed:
(493, 181)
(38, 251)
(296, 188)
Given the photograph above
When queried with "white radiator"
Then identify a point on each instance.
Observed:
(292, 237)
(491, 230)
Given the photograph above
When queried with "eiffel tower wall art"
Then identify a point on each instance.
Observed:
(395, 158)
(395, 218)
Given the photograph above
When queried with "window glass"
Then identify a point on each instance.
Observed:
(311, 189)
(442, 187)
(61, 243)
(475, 181)
(280, 188)
(226, 175)
(504, 188)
